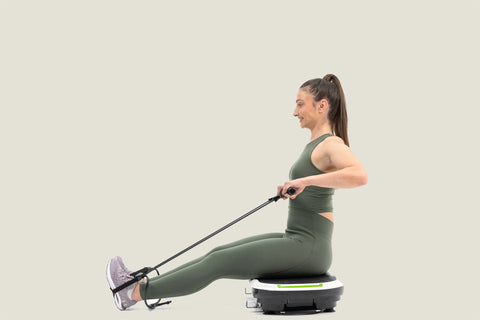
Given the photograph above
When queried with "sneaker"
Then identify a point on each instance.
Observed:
(116, 276)
(122, 265)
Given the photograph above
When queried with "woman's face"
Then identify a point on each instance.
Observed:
(305, 110)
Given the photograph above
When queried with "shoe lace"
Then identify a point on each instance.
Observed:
(124, 275)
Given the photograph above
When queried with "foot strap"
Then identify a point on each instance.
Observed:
(137, 276)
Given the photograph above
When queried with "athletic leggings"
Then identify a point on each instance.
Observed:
(303, 250)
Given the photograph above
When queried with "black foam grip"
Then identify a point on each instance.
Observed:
(291, 191)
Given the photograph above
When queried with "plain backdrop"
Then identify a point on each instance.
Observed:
(135, 128)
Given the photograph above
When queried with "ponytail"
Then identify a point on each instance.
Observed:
(338, 112)
(330, 88)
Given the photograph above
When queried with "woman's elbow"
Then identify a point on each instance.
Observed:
(359, 177)
(362, 178)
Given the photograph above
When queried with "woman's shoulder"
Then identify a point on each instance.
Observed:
(331, 146)
(322, 154)
(333, 140)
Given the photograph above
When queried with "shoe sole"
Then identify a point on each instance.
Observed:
(118, 301)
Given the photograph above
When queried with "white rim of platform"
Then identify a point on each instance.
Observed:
(315, 286)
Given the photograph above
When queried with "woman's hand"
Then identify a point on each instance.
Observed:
(298, 184)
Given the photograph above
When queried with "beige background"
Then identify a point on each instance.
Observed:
(134, 128)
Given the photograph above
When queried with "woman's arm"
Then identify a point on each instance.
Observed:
(345, 170)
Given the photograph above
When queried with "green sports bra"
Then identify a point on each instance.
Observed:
(313, 198)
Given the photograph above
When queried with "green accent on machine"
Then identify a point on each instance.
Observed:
(305, 286)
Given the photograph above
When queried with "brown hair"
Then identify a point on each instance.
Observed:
(329, 88)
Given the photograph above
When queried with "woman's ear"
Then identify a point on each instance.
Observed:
(322, 106)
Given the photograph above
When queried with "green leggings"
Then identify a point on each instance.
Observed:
(304, 249)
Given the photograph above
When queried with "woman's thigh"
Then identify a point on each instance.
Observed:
(248, 240)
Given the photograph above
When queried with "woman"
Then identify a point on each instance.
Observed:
(327, 163)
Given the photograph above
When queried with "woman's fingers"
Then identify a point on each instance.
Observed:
(280, 192)
(298, 185)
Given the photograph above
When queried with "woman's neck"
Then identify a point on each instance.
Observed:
(320, 131)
